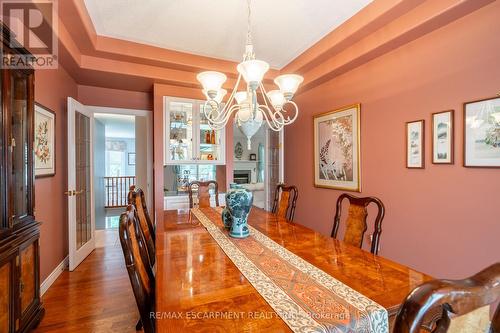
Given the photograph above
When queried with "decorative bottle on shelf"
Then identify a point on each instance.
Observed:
(207, 137)
(212, 137)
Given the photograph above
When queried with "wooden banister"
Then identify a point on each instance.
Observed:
(116, 189)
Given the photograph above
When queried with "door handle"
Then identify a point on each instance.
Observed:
(69, 193)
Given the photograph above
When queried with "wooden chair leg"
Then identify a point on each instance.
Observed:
(138, 327)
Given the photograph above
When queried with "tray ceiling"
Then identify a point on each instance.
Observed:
(282, 29)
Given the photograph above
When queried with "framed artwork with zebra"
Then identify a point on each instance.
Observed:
(337, 149)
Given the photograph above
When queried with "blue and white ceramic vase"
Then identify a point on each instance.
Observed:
(239, 201)
(227, 219)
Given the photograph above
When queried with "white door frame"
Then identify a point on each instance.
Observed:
(149, 116)
(282, 155)
(76, 256)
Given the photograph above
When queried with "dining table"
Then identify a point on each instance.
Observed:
(199, 288)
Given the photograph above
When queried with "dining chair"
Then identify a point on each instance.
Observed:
(285, 201)
(468, 301)
(356, 220)
(203, 190)
(137, 263)
(137, 199)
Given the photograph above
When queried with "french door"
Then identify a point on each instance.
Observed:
(80, 192)
(275, 164)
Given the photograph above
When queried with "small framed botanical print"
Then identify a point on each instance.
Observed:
(44, 146)
(482, 133)
(415, 146)
(443, 129)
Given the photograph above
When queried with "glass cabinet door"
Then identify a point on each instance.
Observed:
(189, 139)
(210, 141)
(20, 175)
(179, 125)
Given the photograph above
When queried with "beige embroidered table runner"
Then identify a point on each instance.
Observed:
(304, 296)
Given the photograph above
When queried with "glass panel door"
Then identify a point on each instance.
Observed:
(19, 190)
(274, 165)
(211, 147)
(82, 171)
(81, 219)
(179, 125)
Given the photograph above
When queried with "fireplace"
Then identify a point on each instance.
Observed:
(242, 176)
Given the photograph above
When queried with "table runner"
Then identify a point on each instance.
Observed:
(306, 298)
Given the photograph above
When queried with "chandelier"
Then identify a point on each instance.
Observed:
(254, 104)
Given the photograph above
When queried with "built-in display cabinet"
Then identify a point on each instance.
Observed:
(188, 137)
(20, 305)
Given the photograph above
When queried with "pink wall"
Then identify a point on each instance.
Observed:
(442, 220)
(127, 99)
(52, 87)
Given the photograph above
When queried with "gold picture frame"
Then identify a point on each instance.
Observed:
(337, 149)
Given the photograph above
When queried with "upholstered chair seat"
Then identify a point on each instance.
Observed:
(464, 305)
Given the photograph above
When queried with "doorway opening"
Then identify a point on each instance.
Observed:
(121, 155)
(109, 149)
(114, 166)
(260, 168)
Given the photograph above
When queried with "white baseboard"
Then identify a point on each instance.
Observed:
(53, 276)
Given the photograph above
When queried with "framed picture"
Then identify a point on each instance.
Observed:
(482, 133)
(443, 137)
(415, 145)
(337, 149)
(131, 158)
(45, 138)
(253, 157)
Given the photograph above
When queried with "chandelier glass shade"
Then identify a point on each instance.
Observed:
(254, 104)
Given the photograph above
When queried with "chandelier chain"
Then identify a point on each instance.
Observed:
(249, 20)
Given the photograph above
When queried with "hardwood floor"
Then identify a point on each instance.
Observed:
(96, 297)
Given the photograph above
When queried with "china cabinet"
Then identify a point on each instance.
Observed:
(20, 305)
(188, 137)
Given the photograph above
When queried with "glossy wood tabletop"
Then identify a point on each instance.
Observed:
(198, 288)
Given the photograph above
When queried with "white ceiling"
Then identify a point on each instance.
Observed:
(117, 125)
(282, 29)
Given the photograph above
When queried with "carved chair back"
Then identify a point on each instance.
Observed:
(137, 263)
(203, 193)
(356, 220)
(468, 300)
(138, 200)
(285, 201)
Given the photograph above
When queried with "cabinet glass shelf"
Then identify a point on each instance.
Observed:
(189, 137)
